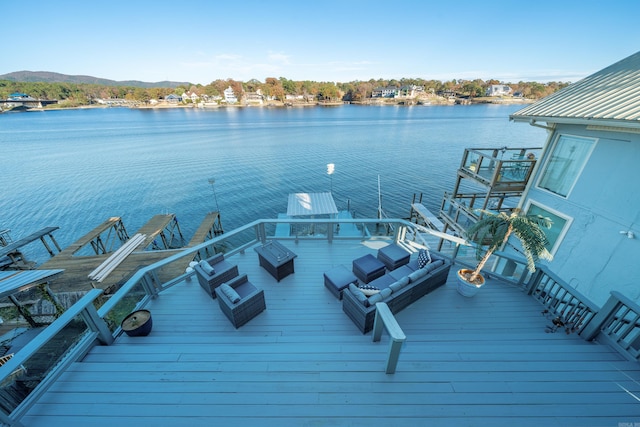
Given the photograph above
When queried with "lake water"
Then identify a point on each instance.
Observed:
(76, 168)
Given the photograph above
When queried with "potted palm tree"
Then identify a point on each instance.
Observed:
(495, 228)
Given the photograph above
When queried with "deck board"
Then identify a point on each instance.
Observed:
(466, 362)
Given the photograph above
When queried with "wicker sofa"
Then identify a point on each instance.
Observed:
(223, 271)
(398, 288)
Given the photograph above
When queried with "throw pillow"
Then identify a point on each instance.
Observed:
(424, 258)
(206, 267)
(399, 284)
(417, 275)
(358, 294)
(435, 264)
(230, 293)
(375, 298)
(368, 290)
(380, 296)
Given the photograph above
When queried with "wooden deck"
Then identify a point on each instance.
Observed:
(485, 361)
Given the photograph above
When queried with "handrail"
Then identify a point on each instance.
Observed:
(385, 320)
(618, 322)
(95, 331)
(568, 307)
(573, 310)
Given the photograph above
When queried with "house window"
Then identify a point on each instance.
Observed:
(565, 163)
(559, 226)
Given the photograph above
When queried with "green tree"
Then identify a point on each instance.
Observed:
(289, 86)
(274, 88)
(328, 91)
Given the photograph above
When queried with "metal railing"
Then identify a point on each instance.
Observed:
(500, 168)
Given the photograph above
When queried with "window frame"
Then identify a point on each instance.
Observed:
(547, 163)
(565, 229)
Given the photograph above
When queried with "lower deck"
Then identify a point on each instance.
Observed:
(482, 361)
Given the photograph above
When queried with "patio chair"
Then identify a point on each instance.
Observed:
(213, 272)
(240, 300)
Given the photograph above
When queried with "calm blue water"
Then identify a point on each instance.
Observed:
(74, 169)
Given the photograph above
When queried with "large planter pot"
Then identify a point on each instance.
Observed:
(137, 323)
(466, 288)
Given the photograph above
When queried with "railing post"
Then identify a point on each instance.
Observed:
(593, 328)
(148, 286)
(384, 319)
(97, 324)
(534, 281)
(261, 234)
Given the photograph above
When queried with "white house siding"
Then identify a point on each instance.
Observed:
(593, 256)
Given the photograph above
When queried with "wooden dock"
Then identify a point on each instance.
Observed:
(12, 249)
(209, 228)
(159, 232)
(93, 237)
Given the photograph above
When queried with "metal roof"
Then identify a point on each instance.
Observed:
(12, 282)
(609, 97)
(306, 204)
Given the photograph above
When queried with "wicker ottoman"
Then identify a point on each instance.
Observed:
(368, 268)
(393, 256)
(337, 279)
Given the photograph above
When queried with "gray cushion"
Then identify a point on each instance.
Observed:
(358, 294)
(432, 266)
(396, 286)
(375, 298)
(206, 267)
(417, 275)
(229, 292)
(386, 292)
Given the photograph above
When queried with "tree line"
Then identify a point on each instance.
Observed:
(275, 88)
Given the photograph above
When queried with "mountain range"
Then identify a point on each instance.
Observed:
(50, 77)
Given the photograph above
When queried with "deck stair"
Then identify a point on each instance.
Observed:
(423, 216)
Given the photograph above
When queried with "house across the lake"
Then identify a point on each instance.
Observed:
(498, 90)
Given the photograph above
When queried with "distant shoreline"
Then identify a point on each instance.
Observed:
(279, 104)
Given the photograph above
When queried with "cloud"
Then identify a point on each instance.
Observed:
(279, 57)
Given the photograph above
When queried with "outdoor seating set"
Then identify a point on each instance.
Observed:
(391, 277)
(239, 299)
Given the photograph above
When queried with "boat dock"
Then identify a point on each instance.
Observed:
(161, 238)
(11, 250)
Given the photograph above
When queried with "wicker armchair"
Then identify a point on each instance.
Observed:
(223, 272)
(250, 304)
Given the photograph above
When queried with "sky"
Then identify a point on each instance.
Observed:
(200, 41)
